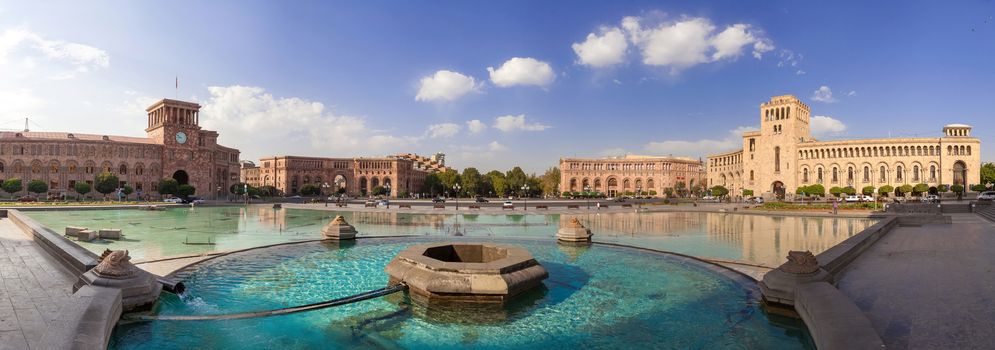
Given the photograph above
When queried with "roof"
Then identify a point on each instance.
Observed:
(64, 136)
(956, 126)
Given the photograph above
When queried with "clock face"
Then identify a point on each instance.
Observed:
(181, 137)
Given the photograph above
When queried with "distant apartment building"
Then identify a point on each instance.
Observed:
(619, 175)
(356, 176)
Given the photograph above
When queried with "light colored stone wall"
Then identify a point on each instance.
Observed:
(290, 173)
(615, 176)
(785, 131)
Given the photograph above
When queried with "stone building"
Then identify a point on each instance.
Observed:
(358, 176)
(782, 156)
(617, 175)
(248, 173)
(175, 147)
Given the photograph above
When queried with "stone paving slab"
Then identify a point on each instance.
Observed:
(929, 287)
(33, 286)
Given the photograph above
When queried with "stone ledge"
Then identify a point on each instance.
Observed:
(77, 259)
(86, 320)
(833, 320)
(836, 258)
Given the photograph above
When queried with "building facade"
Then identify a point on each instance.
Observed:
(176, 147)
(357, 176)
(782, 156)
(619, 175)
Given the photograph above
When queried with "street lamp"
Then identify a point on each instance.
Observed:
(639, 193)
(525, 191)
(587, 196)
(219, 194)
(324, 188)
(456, 188)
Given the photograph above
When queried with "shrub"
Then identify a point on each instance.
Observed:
(185, 190)
(885, 190)
(719, 191)
(905, 189)
(313, 189)
(816, 190)
(127, 190)
(747, 193)
(13, 185)
(942, 188)
(978, 188)
(920, 189)
(801, 190)
(105, 183)
(168, 186)
(867, 190)
(82, 188)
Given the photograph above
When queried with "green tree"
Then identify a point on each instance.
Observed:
(957, 188)
(885, 190)
(551, 181)
(498, 182)
(905, 189)
(127, 190)
(82, 188)
(942, 188)
(105, 183)
(37, 187)
(867, 190)
(535, 186)
(988, 173)
(719, 191)
(472, 181)
(432, 184)
(186, 190)
(919, 189)
(310, 189)
(653, 193)
(264, 191)
(668, 192)
(515, 180)
(816, 190)
(380, 191)
(168, 186)
(12, 186)
(449, 178)
(836, 191)
(849, 190)
(747, 193)
(801, 191)
(681, 189)
(978, 188)
(238, 188)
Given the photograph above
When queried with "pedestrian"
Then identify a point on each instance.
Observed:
(599, 206)
(836, 207)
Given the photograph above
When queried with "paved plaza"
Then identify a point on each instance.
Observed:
(929, 287)
(33, 287)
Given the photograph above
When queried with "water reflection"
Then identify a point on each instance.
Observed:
(755, 238)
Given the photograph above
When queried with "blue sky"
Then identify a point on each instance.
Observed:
(590, 79)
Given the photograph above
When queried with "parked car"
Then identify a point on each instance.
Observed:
(481, 200)
(26, 199)
(192, 200)
(508, 204)
(757, 200)
(708, 198)
(438, 200)
(175, 200)
(619, 199)
(986, 196)
(853, 198)
(930, 198)
(383, 203)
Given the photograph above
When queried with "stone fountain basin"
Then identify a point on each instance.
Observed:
(466, 272)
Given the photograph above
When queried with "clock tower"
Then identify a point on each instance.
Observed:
(185, 154)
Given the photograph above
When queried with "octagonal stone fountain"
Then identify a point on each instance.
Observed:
(465, 272)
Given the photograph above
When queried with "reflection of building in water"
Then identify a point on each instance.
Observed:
(643, 223)
(397, 219)
(767, 239)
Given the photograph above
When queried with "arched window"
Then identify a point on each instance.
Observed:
(836, 177)
(915, 173)
(1, 167)
(751, 175)
(884, 175)
(849, 175)
(804, 175)
(777, 159)
(818, 175)
(932, 173)
(898, 173)
(867, 174)
(123, 169)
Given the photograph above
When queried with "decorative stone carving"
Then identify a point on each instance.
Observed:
(573, 231)
(800, 262)
(339, 229)
(139, 289)
(465, 272)
(778, 285)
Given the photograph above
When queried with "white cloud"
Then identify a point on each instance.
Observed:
(699, 148)
(822, 126)
(690, 41)
(788, 58)
(476, 126)
(522, 71)
(79, 57)
(260, 124)
(823, 94)
(445, 85)
(852, 93)
(494, 146)
(19, 102)
(509, 123)
(443, 130)
(602, 51)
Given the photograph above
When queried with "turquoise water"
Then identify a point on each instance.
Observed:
(599, 297)
(754, 238)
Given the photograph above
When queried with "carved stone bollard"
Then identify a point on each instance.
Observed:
(778, 285)
(573, 232)
(139, 289)
(339, 229)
